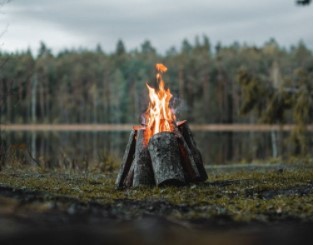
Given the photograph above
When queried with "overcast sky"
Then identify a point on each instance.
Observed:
(84, 23)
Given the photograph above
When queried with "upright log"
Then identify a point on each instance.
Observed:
(164, 152)
(143, 173)
(127, 160)
(187, 134)
(191, 172)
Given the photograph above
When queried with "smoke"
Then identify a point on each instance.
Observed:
(179, 106)
(142, 119)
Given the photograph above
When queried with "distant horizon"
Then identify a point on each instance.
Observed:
(178, 47)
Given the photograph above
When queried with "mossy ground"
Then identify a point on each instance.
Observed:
(235, 193)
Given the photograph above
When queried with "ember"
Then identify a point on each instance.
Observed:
(162, 152)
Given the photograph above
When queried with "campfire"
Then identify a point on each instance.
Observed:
(161, 151)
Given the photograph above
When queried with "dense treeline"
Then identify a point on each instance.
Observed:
(211, 84)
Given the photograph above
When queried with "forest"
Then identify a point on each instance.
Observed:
(224, 84)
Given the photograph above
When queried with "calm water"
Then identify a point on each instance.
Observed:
(93, 147)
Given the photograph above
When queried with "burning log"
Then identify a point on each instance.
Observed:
(160, 152)
(164, 152)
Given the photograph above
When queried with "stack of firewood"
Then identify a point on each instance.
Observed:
(169, 158)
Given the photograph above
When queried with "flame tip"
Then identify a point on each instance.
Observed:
(160, 67)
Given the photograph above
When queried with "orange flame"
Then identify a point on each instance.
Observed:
(159, 116)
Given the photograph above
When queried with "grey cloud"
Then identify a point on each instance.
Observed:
(164, 22)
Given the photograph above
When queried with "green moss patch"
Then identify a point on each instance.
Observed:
(236, 193)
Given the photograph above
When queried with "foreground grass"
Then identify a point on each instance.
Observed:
(246, 193)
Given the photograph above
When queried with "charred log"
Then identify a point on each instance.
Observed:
(143, 173)
(127, 159)
(187, 134)
(164, 152)
(191, 172)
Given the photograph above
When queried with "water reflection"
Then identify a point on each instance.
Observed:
(91, 147)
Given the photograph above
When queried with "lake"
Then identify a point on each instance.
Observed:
(94, 147)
